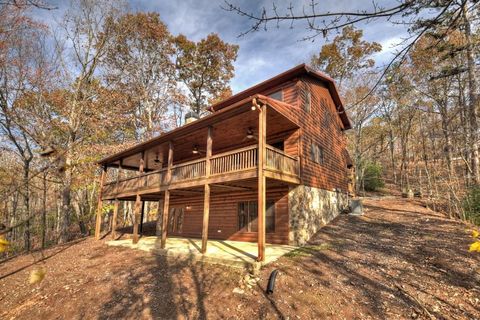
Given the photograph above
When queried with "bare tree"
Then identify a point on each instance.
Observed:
(86, 41)
(20, 64)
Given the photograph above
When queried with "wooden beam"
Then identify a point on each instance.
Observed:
(235, 188)
(187, 192)
(169, 163)
(158, 228)
(98, 223)
(142, 216)
(206, 215)
(166, 203)
(114, 219)
(262, 129)
(116, 202)
(284, 177)
(206, 199)
(138, 201)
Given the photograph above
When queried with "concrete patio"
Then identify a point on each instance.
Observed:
(232, 253)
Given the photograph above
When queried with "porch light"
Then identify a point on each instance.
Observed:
(255, 105)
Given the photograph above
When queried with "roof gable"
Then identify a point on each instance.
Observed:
(300, 70)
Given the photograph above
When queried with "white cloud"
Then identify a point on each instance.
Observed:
(262, 54)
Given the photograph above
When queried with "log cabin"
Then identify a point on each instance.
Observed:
(267, 165)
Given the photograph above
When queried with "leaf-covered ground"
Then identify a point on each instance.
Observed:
(398, 261)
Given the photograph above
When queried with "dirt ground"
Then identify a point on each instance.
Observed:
(398, 261)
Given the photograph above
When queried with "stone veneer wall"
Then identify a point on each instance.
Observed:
(311, 208)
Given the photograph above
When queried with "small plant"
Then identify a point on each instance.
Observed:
(475, 246)
(471, 205)
(372, 177)
(4, 244)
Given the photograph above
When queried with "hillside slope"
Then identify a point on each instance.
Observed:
(397, 261)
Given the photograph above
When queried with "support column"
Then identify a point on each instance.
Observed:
(166, 202)
(142, 217)
(138, 201)
(114, 219)
(158, 229)
(98, 223)
(116, 204)
(206, 200)
(262, 129)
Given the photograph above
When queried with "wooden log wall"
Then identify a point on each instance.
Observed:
(223, 221)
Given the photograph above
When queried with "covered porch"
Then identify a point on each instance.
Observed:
(240, 254)
(242, 150)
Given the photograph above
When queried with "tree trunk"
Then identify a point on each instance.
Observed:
(472, 97)
(66, 196)
(44, 211)
(448, 141)
(26, 199)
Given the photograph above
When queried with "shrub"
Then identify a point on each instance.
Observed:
(471, 205)
(372, 177)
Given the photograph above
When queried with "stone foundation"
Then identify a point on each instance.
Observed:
(311, 208)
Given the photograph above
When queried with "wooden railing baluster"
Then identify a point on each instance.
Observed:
(231, 161)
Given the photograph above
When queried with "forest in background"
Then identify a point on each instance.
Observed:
(99, 81)
(105, 78)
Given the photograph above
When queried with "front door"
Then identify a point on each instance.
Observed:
(248, 216)
(175, 219)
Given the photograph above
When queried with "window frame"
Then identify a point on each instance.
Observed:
(272, 95)
(317, 153)
(307, 104)
(251, 218)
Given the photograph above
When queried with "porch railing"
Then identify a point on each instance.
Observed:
(189, 170)
(280, 161)
(240, 159)
(222, 163)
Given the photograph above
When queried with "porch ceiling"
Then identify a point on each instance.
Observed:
(230, 128)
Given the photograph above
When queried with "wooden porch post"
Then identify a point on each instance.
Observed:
(262, 129)
(116, 204)
(114, 219)
(206, 200)
(166, 202)
(138, 201)
(98, 223)
(158, 229)
(142, 217)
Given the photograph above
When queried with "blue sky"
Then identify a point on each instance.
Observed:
(262, 54)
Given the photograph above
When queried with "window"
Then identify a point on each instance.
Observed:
(248, 216)
(317, 153)
(307, 101)
(277, 95)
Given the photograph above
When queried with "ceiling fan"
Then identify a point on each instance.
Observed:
(250, 135)
(196, 150)
(157, 161)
